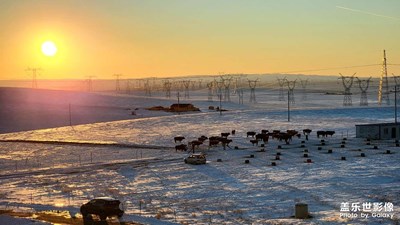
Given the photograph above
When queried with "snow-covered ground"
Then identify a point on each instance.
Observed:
(135, 161)
(4, 219)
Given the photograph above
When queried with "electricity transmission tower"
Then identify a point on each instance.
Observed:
(147, 87)
(117, 84)
(210, 87)
(35, 72)
(200, 82)
(396, 79)
(383, 92)
(237, 84)
(240, 95)
(281, 83)
(363, 84)
(252, 85)
(291, 85)
(219, 85)
(186, 84)
(347, 83)
(226, 81)
(167, 88)
(303, 84)
(193, 83)
(89, 83)
(128, 86)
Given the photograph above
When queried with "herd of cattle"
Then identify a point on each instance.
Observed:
(256, 138)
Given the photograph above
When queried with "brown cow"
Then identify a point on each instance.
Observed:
(195, 143)
(283, 136)
(225, 142)
(254, 142)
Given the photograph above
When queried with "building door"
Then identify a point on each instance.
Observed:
(394, 132)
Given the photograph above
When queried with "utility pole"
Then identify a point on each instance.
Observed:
(396, 79)
(288, 106)
(219, 85)
(395, 104)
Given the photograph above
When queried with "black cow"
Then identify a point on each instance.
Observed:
(251, 133)
(202, 138)
(321, 133)
(262, 137)
(329, 132)
(181, 147)
(178, 138)
(195, 143)
(225, 134)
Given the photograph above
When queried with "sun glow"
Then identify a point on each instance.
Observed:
(49, 48)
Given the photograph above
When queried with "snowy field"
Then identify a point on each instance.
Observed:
(135, 160)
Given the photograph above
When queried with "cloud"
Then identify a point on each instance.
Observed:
(368, 13)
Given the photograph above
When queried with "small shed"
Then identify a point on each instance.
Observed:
(378, 131)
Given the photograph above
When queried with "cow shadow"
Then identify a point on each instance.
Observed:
(89, 220)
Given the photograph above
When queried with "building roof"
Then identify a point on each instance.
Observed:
(379, 124)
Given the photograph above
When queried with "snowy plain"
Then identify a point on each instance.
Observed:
(135, 160)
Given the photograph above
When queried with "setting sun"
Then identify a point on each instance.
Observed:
(49, 48)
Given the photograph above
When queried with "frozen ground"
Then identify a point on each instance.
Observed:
(134, 160)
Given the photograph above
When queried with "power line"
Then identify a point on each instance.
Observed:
(332, 68)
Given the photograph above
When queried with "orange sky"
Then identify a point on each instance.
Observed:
(160, 38)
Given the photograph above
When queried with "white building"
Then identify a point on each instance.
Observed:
(379, 131)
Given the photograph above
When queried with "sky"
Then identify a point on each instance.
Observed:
(166, 38)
